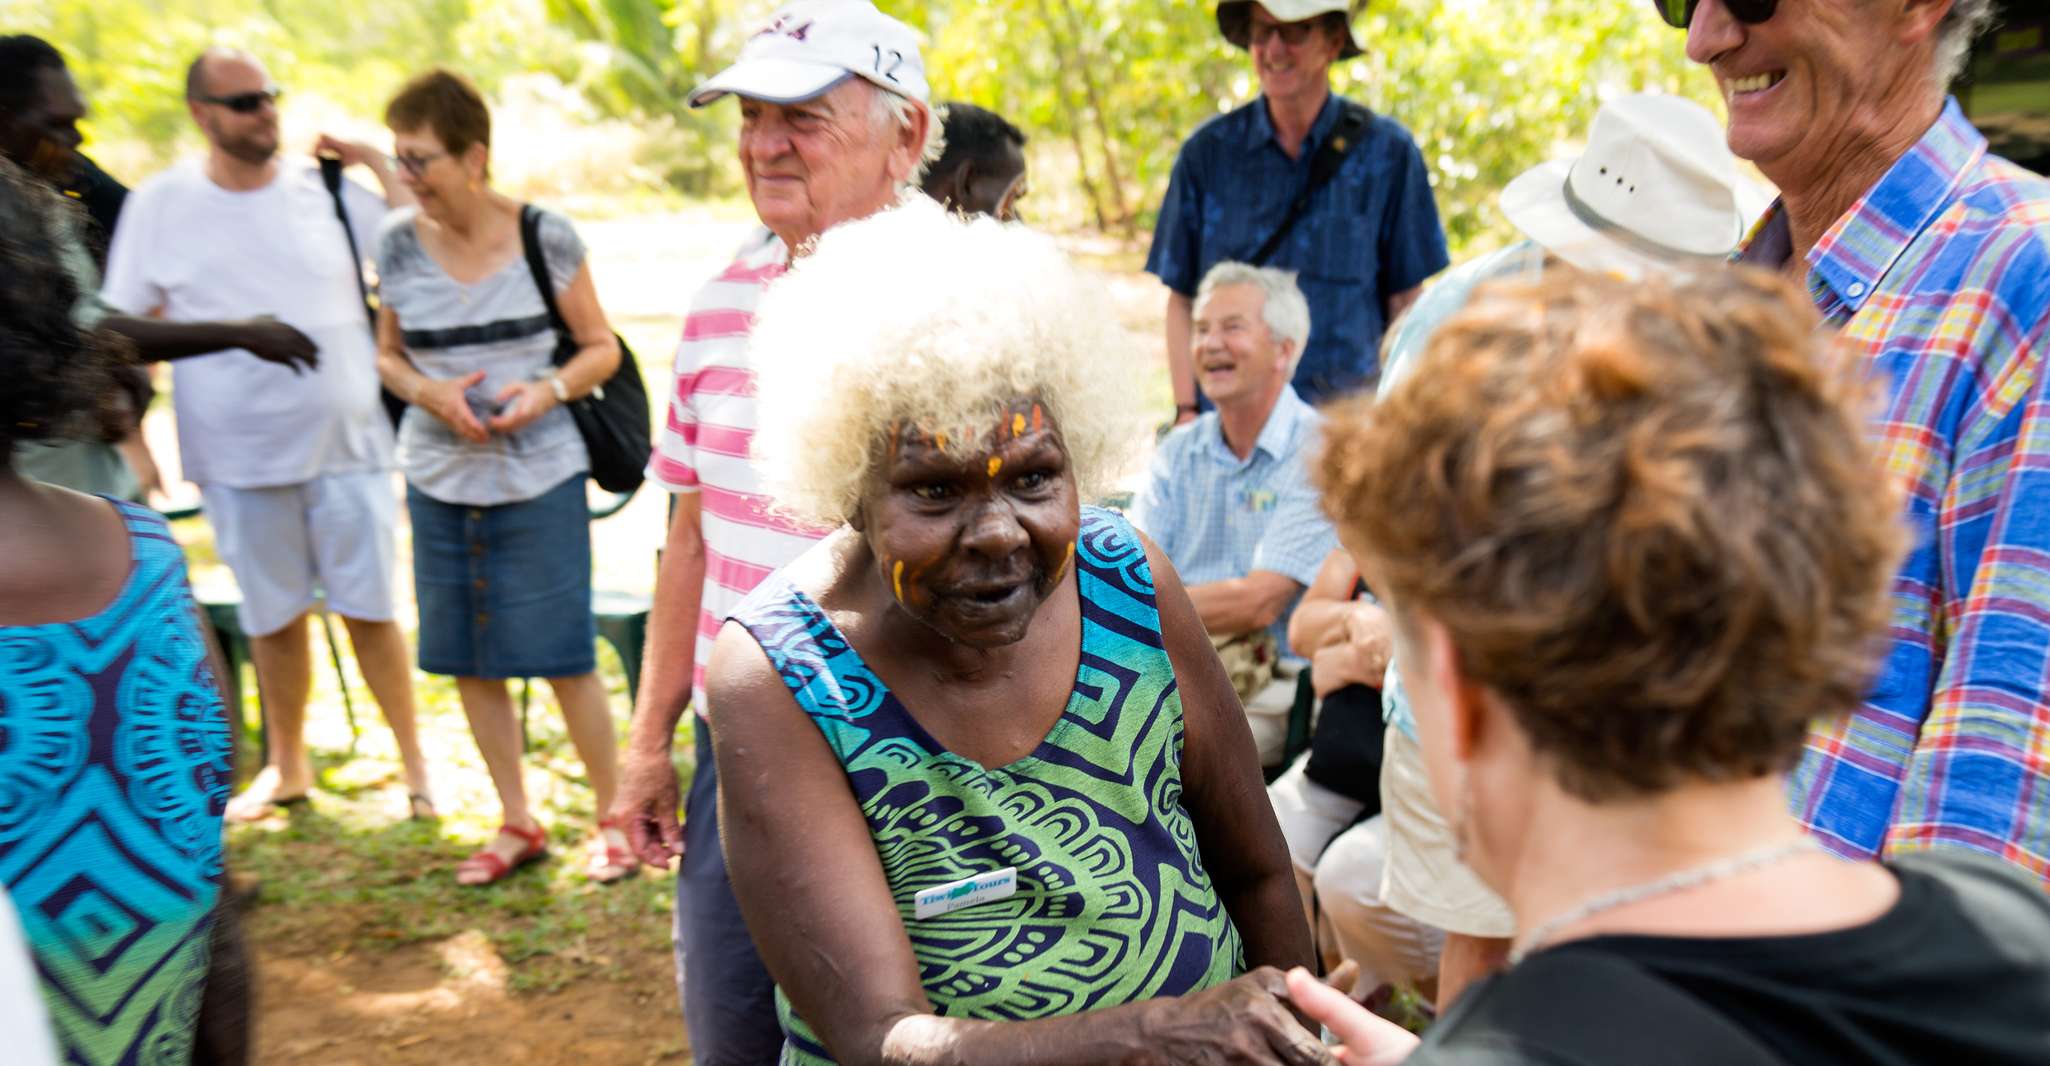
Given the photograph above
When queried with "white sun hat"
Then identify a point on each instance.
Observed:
(1235, 18)
(812, 45)
(1655, 191)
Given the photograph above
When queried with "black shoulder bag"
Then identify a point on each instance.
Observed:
(1352, 123)
(614, 417)
(331, 176)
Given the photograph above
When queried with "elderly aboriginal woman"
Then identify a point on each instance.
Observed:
(985, 791)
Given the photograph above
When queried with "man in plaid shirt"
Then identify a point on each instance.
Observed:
(1932, 257)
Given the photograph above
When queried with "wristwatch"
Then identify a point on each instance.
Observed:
(556, 384)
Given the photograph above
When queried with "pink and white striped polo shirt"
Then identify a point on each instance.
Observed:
(703, 445)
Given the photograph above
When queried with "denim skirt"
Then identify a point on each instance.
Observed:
(505, 591)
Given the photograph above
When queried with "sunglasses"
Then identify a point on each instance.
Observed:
(246, 103)
(1679, 14)
(417, 165)
(1292, 34)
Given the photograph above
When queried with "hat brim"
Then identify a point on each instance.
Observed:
(776, 81)
(1235, 18)
(1535, 203)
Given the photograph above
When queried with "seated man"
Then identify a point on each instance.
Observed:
(981, 170)
(1229, 498)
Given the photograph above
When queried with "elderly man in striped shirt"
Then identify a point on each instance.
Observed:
(834, 122)
(1932, 258)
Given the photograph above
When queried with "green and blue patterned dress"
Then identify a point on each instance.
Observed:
(113, 775)
(1113, 904)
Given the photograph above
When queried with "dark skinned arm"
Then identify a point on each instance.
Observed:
(820, 911)
(1242, 604)
(1224, 792)
(268, 339)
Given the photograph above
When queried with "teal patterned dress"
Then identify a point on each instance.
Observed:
(1113, 904)
(113, 775)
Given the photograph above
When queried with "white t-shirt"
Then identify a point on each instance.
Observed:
(196, 252)
(24, 1025)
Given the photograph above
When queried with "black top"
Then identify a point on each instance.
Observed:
(1958, 971)
(102, 197)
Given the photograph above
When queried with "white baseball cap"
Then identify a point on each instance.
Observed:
(1656, 190)
(1235, 18)
(812, 45)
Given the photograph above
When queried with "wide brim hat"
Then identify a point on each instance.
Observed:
(1235, 18)
(1656, 191)
(811, 46)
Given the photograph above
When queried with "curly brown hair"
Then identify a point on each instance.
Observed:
(1646, 513)
(59, 379)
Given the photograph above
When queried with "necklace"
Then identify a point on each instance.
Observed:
(1718, 870)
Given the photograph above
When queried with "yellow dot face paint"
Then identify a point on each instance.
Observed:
(1017, 425)
(1062, 571)
(941, 440)
(897, 579)
(995, 464)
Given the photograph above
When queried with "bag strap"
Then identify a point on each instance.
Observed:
(530, 246)
(331, 176)
(1352, 121)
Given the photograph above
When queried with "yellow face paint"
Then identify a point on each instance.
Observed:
(995, 464)
(897, 579)
(1018, 424)
(941, 440)
(1062, 570)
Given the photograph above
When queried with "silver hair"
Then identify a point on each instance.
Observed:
(1964, 23)
(894, 111)
(1284, 309)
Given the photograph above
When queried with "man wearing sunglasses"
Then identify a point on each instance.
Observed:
(1307, 181)
(294, 469)
(1932, 257)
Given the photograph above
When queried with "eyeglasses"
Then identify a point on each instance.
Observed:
(417, 165)
(246, 103)
(1291, 33)
(1679, 14)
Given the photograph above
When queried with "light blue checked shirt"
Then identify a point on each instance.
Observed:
(1219, 517)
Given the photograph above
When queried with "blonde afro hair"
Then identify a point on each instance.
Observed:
(918, 317)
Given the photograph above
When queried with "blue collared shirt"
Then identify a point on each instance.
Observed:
(1220, 517)
(1369, 233)
(1940, 277)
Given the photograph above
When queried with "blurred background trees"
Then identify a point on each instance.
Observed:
(591, 92)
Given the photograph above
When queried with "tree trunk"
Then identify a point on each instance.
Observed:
(1111, 176)
(1065, 62)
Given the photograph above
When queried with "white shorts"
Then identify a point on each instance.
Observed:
(1425, 878)
(291, 544)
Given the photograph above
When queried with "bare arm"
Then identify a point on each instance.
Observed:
(1399, 302)
(1243, 604)
(1320, 618)
(648, 795)
(1242, 845)
(1181, 362)
(156, 340)
(819, 908)
(597, 357)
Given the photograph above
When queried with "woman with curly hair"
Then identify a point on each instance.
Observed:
(114, 745)
(985, 791)
(1634, 540)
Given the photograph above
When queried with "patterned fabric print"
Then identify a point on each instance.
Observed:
(1113, 903)
(113, 775)
(1941, 273)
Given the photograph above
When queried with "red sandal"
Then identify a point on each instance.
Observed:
(495, 867)
(617, 862)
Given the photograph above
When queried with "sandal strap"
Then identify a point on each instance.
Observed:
(536, 838)
(490, 862)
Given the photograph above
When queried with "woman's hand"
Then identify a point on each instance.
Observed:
(444, 400)
(520, 403)
(1370, 1040)
(1244, 1022)
(1368, 629)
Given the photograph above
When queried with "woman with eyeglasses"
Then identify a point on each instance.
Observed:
(494, 464)
(1653, 546)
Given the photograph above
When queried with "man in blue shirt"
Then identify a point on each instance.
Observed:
(1367, 237)
(1229, 497)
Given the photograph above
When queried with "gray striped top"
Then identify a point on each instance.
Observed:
(500, 326)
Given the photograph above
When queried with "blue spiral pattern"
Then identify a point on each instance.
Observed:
(1113, 903)
(113, 775)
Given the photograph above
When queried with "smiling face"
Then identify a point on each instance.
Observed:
(435, 176)
(817, 163)
(1290, 58)
(1238, 358)
(1816, 79)
(972, 546)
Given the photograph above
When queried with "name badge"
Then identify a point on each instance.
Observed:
(967, 892)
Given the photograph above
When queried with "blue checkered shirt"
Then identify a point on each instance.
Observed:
(1372, 231)
(1220, 517)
